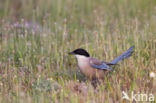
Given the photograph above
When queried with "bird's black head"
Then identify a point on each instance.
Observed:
(80, 51)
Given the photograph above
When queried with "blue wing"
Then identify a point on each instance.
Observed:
(101, 66)
(126, 54)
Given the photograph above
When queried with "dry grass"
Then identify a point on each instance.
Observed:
(36, 36)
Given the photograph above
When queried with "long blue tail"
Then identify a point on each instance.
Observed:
(126, 54)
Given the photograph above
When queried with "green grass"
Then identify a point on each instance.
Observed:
(35, 66)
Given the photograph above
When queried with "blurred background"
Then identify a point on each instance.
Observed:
(36, 36)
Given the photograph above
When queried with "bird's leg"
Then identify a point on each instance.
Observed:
(95, 82)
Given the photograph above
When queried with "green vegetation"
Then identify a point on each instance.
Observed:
(36, 36)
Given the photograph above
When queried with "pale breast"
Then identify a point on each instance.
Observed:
(83, 63)
(87, 70)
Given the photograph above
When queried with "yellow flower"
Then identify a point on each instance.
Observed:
(50, 78)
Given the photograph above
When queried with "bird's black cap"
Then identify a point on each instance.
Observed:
(80, 51)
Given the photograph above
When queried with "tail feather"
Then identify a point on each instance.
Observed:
(126, 54)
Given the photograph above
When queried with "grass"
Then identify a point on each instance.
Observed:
(36, 36)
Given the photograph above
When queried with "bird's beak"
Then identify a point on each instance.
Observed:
(71, 53)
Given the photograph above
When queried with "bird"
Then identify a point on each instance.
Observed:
(93, 68)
